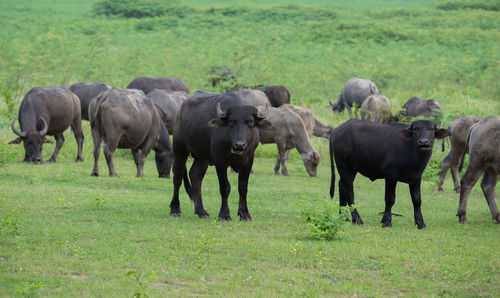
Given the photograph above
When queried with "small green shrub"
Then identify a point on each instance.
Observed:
(326, 224)
(493, 5)
(132, 8)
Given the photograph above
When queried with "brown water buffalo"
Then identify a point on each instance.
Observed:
(278, 95)
(484, 157)
(254, 97)
(394, 152)
(422, 107)
(147, 84)
(458, 129)
(85, 92)
(124, 118)
(48, 111)
(313, 126)
(376, 108)
(169, 103)
(355, 91)
(289, 132)
(220, 130)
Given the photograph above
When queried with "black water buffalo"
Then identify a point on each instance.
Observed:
(355, 91)
(484, 156)
(278, 95)
(48, 111)
(147, 84)
(394, 152)
(170, 104)
(422, 107)
(458, 129)
(85, 92)
(220, 130)
(124, 118)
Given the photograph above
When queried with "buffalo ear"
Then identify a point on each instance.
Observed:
(405, 133)
(265, 124)
(217, 122)
(441, 133)
(17, 140)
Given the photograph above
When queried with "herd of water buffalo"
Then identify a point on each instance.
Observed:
(224, 130)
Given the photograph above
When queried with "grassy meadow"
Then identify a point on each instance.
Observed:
(65, 233)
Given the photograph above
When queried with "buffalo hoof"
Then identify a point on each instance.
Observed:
(497, 218)
(202, 214)
(221, 218)
(386, 224)
(175, 213)
(95, 174)
(245, 216)
(457, 189)
(276, 172)
(422, 226)
(79, 159)
(463, 220)
(51, 160)
(285, 174)
(440, 188)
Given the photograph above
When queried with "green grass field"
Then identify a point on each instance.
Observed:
(65, 233)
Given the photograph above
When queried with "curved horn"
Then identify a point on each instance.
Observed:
(45, 127)
(22, 134)
(220, 113)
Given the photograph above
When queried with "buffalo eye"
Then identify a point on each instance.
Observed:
(251, 123)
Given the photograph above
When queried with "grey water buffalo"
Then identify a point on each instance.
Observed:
(355, 91)
(48, 111)
(289, 132)
(313, 126)
(394, 152)
(220, 130)
(147, 84)
(415, 107)
(376, 108)
(85, 92)
(278, 95)
(484, 157)
(169, 103)
(254, 97)
(458, 129)
(123, 118)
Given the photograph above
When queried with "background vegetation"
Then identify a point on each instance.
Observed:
(63, 232)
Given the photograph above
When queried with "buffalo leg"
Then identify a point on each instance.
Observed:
(455, 164)
(282, 159)
(196, 174)
(225, 189)
(243, 189)
(59, 142)
(390, 198)
(416, 198)
(346, 192)
(179, 170)
(138, 162)
(466, 183)
(97, 151)
(488, 186)
(78, 132)
(109, 151)
(277, 165)
(444, 170)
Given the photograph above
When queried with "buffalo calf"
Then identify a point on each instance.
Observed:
(394, 152)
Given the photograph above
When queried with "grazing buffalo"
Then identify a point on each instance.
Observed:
(458, 129)
(124, 118)
(169, 103)
(289, 132)
(220, 130)
(376, 108)
(278, 95)
(147, 84)
(355, 91)
(85, 92)
(484, 156)
(48, 111)
(394, 152)
(312, 125)
(254, 97)
(415, 107)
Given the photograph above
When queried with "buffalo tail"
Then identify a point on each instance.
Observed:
(332, 166)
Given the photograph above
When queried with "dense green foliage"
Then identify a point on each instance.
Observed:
(65, 233)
